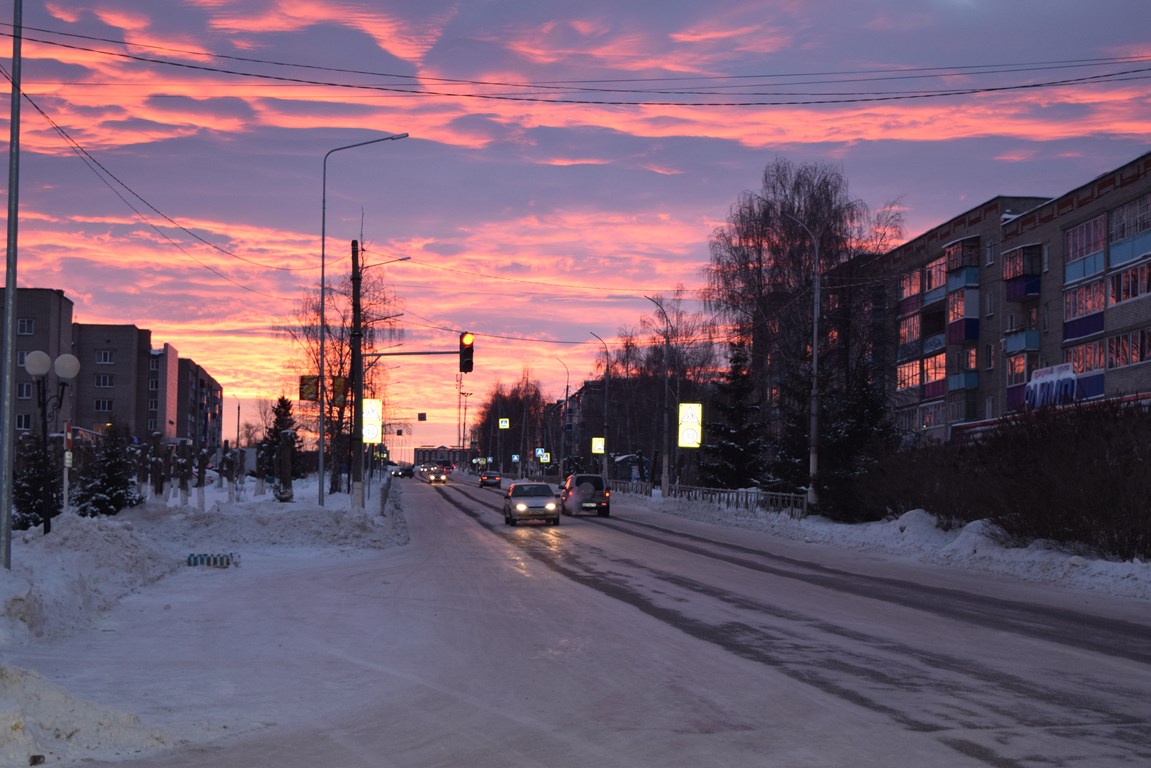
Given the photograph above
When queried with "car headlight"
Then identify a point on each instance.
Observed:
(521, 507)
(550, 506)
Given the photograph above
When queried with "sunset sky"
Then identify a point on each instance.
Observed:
(564, 159)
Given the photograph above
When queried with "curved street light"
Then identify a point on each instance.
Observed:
(324, 289)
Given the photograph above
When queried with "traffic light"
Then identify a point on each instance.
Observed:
(467, 350)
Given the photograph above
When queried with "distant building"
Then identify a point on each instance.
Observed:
(113, 383)
(122, 379)
(43, 322)
(163, 392)
(200, 407)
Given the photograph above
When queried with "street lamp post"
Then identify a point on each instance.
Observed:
(38, 364)
(813, 424)
(324, 288)
(665, 480)
(564, 416)
(606, 383)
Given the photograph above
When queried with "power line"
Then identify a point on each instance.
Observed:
(785, 99)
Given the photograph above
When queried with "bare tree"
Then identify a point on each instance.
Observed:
(379, 310)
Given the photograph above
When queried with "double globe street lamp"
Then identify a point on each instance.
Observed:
(67, 367)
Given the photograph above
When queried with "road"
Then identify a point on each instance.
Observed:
(639, 640)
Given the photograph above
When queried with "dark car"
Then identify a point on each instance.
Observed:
(434, 473)
(585, 493)
(490, 477)
(403, 472)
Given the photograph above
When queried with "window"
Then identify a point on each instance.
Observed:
(24, 422)
(990, 356)
(153, 385)
(1082, 300)
(989, 250)
(935, 368)
(1130, 283)
(103, 406)
(935, 274)
(151, 425)
(1129, 348)
(153, 404)
(964, 253)
(104, 357)
(989, 303)
(909, 329)
(970, 359)
(909, 285)
(956, 306)
(24, 390)
(25, 326)
(1131, 219)
(21, 356)
(1084, 240)
(1026, 260)
(907, 375)
(1085, 358)
(104, 380)
(1016, 366)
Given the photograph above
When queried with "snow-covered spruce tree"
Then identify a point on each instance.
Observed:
(107, 484)
(733, 449)
(282, 421)
(36, 484)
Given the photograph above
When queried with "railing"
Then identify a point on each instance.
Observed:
(791, 504)
(637, 487)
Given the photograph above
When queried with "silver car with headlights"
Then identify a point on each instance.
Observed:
(531, 501)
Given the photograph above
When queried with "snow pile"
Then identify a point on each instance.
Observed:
(60, 583)
(914, 536)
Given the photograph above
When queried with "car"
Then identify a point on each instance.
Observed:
(433, 473)
(530, 500)
(585, 493)
(490, 477)
(403, 472)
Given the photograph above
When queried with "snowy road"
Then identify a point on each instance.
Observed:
(616, 642)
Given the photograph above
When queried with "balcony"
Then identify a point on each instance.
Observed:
(1022, 288)
(957, 382)
(962, 330)
(1021, 341)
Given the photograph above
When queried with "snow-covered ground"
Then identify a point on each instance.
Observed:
(62, 583)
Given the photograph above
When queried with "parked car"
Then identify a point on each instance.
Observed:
(585, 493)
(490, 477)
(531, 501)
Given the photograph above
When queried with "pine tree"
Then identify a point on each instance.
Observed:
(282, 420)
(733, 450)
(36, 494)
(106, 486)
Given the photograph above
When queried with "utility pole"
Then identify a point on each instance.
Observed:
(356, 450)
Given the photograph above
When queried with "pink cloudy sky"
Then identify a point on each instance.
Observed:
(564, 159)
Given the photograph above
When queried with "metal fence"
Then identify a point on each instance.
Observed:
(790, 504)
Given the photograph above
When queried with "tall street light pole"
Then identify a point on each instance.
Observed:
(813, 424)
(564, 416)
(665, 480)
(324, 288)
(8, 376)
(606, 383)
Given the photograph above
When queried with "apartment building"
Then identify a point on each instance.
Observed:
(122, 379)
(113, 383)
(1023, 301)
(43, 322)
